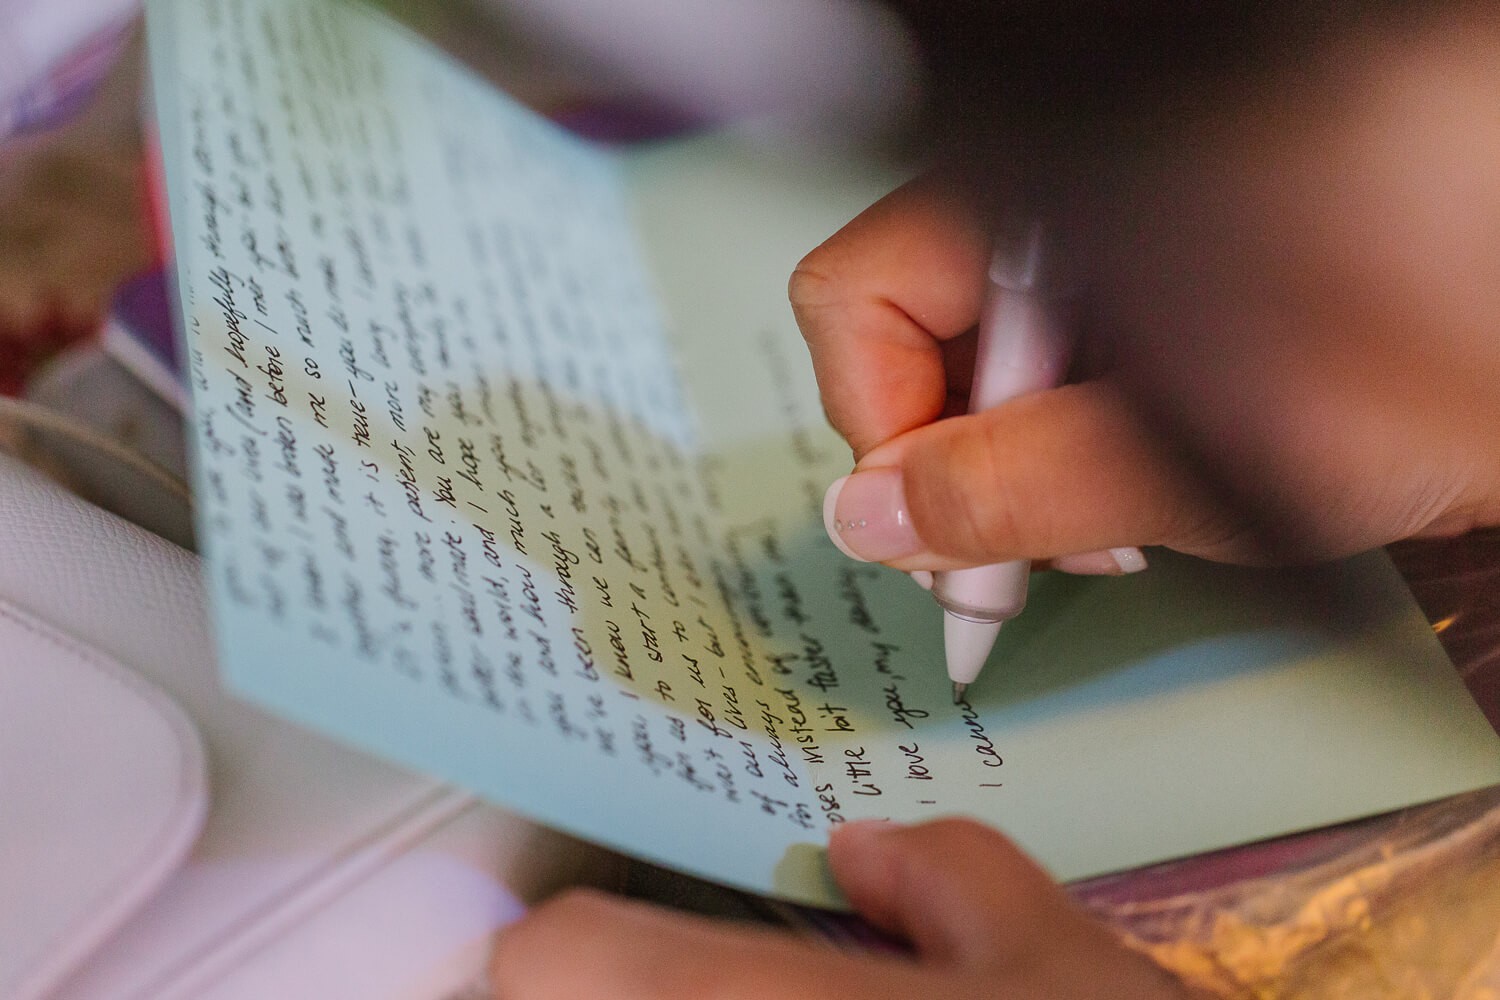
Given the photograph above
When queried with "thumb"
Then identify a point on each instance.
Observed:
(964, 895)
(1069, 470)
(958, 891)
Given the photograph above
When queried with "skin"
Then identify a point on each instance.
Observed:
(994, 926)
(1290, 352)
(1291, 317)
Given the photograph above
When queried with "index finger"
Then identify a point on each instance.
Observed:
(877, 300)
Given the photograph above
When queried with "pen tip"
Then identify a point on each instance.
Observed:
(958, 692)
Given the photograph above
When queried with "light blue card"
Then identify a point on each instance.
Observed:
(508, 465)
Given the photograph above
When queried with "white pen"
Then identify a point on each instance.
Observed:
(1024, 346)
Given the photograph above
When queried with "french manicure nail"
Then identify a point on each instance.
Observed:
(865, 515)
(922, 578)
(1105, 562)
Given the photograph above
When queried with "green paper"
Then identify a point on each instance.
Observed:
(509, 463)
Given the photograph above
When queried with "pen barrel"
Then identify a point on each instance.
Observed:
(1023, 347)
(986, 594)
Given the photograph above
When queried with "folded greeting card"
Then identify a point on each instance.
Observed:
(509, 466)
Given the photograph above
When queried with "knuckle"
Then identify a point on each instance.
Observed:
(812, 291)
(823, 284)
(810, 287)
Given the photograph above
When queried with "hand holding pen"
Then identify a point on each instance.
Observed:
(1263, 401)
(1022, 346)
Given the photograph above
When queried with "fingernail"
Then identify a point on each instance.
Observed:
(922, 578)
(865, 515)
(1105, 562)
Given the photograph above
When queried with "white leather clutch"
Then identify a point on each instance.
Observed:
(102, 792)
